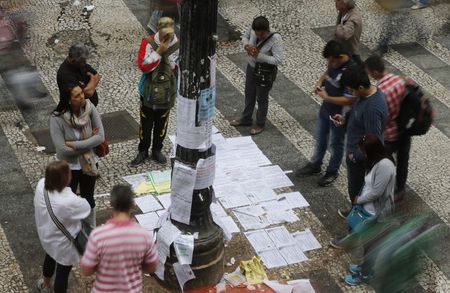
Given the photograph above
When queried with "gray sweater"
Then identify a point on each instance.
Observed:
(272, 52)
(61, 131)
(380, 190)
(349, 29)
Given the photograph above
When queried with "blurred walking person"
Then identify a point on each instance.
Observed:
(349, 27)
(69, 209)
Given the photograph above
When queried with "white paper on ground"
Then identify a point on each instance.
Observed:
(184, 273)
(279, 288)
(226, 233)
(160, 213)
(279, 205)
(217, 209)
(160, 271)
(292, 254)
(306, 240)
(272, 258)
(301, 286)
(235, 278)
(184, 248)
(147, 203)
(277, 217)
(135, 180)
(230, 224)
(258, 192)
(166, 236)
(295, 199)
(206, 172)
(183, 181)
(149, 221)
(250, 222)
(280, 236)
(164, 216)
(260, 240)
(234, 200)
(164, 199)
(250, 211)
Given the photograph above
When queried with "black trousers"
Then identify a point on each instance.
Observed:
(401, 148)
(253, 94)
(86, 183)
(155, 121)
(62, 273)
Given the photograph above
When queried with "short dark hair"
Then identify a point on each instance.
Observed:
(122, 198)
(376, 63)
(356, 76)
(78, 51)
(57, 176)
(261, 23)
(334, 49)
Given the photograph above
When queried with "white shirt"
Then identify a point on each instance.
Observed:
(69, 209)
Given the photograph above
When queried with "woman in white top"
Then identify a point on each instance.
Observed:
(76, 129)
(70, 210)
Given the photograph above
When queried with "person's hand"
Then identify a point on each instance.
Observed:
(95, 77)
(254, 52)
(70, 144)
(163, 46)
(338, 119)
(95, 131)
(321, 92)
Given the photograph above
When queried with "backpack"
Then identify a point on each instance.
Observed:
(160, 86)
(416, 113)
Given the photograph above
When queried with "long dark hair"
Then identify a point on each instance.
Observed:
(374, 150)
(64, 102)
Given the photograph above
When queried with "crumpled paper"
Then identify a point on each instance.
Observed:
(253, 270)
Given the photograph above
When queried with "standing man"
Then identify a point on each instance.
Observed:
(75, 71)
(349, 27)
(393, 88)
(120, 250)
(266, 52)
(332, 91)
(368, 115)
(157, 59)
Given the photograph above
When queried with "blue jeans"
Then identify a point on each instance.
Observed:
(424, 2)
(323, 129)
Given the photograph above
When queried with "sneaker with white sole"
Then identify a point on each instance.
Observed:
(418, 6)
(40, 287)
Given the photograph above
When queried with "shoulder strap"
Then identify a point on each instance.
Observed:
(153, 43)
(265, 41)
(172, 49)
(55, 219)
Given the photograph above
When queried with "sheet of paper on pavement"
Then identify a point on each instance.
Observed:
(280, 236)
(301, 286)
(272, 258)
(275, 217)
(183, 182)
(276, 205)
(279, 288)
(306, 240)
(249, 222)
(147, 203)
(234, 200)
(184, 273)
(230, 224)
(295, 199)
(160, 180)
(293, 254)
(217, 210)
(260, 240)
(164, 199)
(135, 180)
(149, 220)
(184, 248)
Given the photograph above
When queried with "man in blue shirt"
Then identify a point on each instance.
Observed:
(368, 115)
(330, 87)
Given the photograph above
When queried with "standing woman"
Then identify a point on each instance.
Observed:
(76, 129)
(69, 209)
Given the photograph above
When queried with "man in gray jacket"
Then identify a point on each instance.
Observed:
(349, 27)
(265, 50)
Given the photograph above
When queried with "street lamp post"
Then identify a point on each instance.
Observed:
(197, 51)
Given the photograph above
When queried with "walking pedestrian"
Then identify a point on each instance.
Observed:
(69, 209)
(75, 71)
(374, 203)
(368, 115)
(120, 250)
(265, 52)
(157, 59)
(349, 26)
(332, 91)
(76, 129)
(393, 88)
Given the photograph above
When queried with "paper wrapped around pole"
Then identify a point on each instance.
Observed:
(183, 182)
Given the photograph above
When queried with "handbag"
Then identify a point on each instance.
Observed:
(265, 73)
(358, 219)
(102, 149)
(80, 241)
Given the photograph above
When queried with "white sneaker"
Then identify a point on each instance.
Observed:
(418, 6)
(39, 287)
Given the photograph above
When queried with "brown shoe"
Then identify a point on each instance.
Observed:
(240, 122)
(256, 130)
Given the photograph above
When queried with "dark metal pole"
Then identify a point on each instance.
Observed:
(198, 39)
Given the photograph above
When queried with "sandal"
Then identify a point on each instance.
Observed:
(239, 122)
(256, 130)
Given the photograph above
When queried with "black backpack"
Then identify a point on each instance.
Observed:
(416, 113)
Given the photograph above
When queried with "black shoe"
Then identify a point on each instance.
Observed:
(159, 157)
(308, 170)
(343, 213)
(327, 179)
(140, 158)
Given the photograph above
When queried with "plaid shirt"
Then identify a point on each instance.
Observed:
(393, 88)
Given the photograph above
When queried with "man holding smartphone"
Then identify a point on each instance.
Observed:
(330, 88)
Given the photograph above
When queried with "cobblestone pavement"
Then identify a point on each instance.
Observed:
(114, 31)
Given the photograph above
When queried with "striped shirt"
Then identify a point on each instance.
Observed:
(393, 88)
(118, 250)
